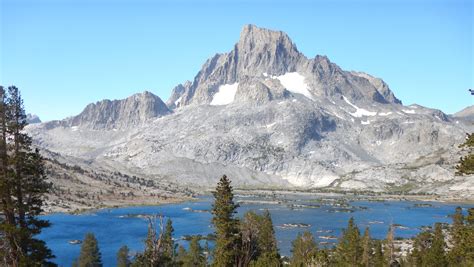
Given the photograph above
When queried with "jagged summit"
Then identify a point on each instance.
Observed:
(261, 55)
(265, 50)
(118, 114)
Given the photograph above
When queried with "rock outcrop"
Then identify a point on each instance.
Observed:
(133, 111)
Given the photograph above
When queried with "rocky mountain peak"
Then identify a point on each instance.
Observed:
(32, 118)
(262, 50)
(119, 114)
(254, 39)
(261, 55)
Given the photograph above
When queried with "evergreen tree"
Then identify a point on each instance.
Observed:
(436, 255)
(267, 240)
(462, 236)
(389, 248)
(90, 255)
(420, 249)
(466, 163)
(22, 187)
(470, 216)
(378, 258)
(180, 255)
(366, 249)
(226, 226)
(258, 242)
(468, 238)
(123, 259)
(194, 257)
(323, 258)
(267, 244)
(349, 250)
(157, 244)
(455, 255)
(305, 250)
(249, 237)
(168, 243)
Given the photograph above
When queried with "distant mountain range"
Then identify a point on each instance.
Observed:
(269, 117)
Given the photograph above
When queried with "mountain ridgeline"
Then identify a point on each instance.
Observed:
(270, 117)
(261, 51)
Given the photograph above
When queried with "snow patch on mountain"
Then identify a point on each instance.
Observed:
(360, 112)
(409, 111)
(295, 83)
(225, 95)
(178, 101)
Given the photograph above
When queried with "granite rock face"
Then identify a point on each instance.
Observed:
(133, 111)
(262, 53)
(269, 117)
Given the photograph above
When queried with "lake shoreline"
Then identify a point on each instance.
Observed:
(350, 196)
(125, 204)
(354, 195)
(323, 214)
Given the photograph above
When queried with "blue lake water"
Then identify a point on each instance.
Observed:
(116, 227)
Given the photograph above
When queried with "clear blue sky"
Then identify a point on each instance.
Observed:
(64, 54)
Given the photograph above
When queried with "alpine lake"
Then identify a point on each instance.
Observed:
(325, 215)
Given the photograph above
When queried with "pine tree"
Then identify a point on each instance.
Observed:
(378, 258)
(436, 255)
(468, 238)
(455, 255)
(323, 258)
(90, 255)
(466, 163)
(366, 249)
(462, 233)
(156, 252)
(10, 256)
(22, 187)
(389, 248)
(123, 259)
(194, 257)
(249, 237)
(180, 255)
(267, 240)
(226, 226)
(470, 216)
(421, 245)
(304, 250)
(168, 243)
(267, 243)
(348, 250)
